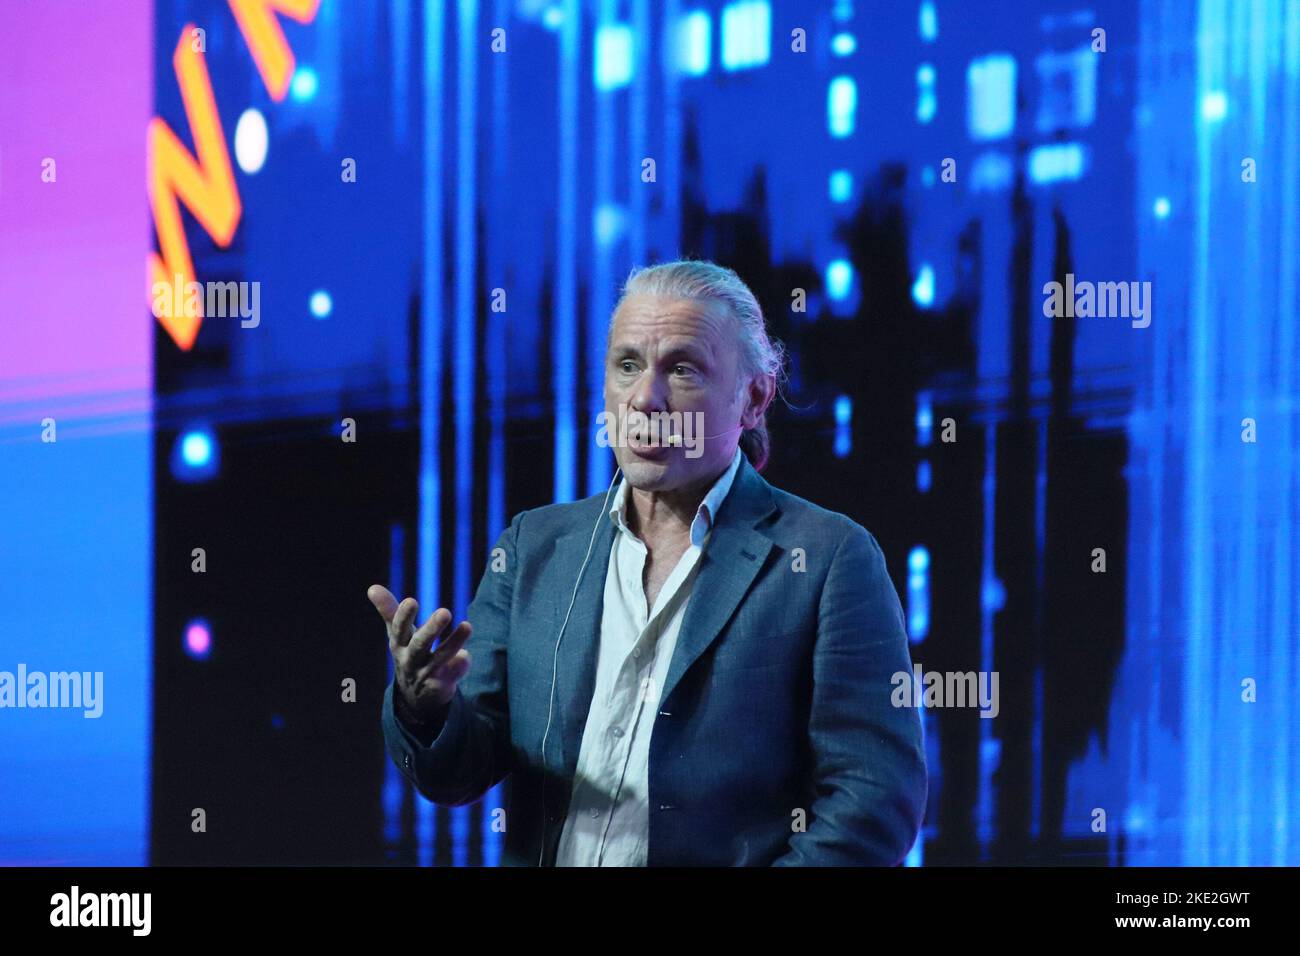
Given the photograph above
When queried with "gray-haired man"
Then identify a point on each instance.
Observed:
(691, 669)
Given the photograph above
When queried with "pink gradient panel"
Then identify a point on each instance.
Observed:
(76, 86)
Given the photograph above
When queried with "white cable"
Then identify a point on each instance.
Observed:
(555, 660)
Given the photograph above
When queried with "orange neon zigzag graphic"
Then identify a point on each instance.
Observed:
(207, 185)
(266, 40)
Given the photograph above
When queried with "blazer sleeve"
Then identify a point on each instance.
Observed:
(869, 757)
(472, 752)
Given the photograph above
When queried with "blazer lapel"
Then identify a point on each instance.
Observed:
(580, 640)
(732, 559)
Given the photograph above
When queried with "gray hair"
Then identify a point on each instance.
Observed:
(721, 290)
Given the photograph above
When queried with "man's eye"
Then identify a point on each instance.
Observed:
(682, 370)
(627, 366)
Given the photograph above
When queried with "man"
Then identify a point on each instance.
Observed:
(693, 668)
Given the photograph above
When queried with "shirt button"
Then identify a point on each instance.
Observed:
(618, 731)
(594, 813)
(636, 654)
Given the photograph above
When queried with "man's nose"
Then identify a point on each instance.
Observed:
(650, 393)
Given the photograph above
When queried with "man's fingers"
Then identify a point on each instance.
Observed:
(452, 670)
(399, 628)
(423, 639)
(383, 601)
(451, 644)
(397, 617)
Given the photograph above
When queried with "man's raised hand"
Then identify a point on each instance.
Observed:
(428, 662)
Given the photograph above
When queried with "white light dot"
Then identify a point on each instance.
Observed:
(250, 141)
(321, 304)
(1214, 106)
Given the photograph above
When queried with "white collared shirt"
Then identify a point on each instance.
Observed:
(609, 813)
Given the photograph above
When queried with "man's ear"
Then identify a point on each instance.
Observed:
(758, 395)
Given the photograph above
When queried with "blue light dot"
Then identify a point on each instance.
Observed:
(993, 595)
(746, 34)
(923, 287)
(841, 106)
(843, 410)
(694, 43)
(304, 85)
(839, 279)
(1057, 162)
(196, 449)
(609, 223)
(991, 96)
(926, 106)
(614, 56)
(1161, 208)
(929, 22)
(841, 183)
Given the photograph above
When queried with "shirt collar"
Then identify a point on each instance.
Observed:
(704, 517)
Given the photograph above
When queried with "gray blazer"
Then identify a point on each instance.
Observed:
(776, 742)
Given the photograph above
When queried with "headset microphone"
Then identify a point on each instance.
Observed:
(678, 440)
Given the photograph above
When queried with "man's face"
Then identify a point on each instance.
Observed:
(672, 369)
